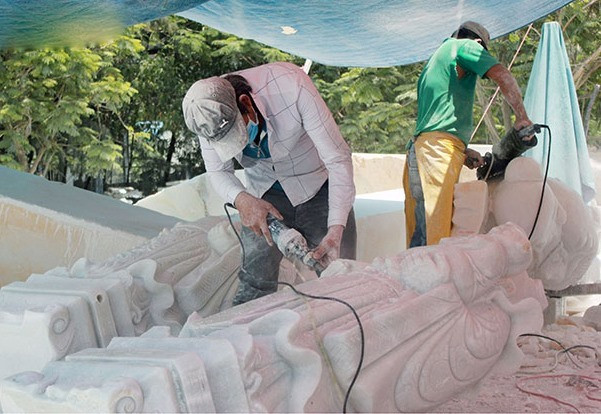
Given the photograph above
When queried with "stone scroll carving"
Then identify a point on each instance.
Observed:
(437, 320)
(192, 267)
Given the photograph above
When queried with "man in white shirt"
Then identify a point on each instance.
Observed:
(298, 168)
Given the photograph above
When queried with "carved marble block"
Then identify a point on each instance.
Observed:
(192, 267)
(437, 320)
(565, 239)
(101, 380)
(48, 317)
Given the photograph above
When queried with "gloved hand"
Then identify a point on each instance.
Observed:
(253, 214)
(522, 123)
(329, 248)
(473, 159)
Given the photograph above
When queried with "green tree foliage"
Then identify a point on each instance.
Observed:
(53, 109)
(581, 25)
(375, 108)
(90, 108)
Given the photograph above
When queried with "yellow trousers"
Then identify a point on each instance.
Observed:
(440, 156)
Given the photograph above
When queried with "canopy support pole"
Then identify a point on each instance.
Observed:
(307, 65)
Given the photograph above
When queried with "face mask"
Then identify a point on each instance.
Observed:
(253, 129)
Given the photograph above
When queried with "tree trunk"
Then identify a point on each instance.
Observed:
(69, 177)
(126, 158)
(587, 68)
(589, 109)
(63, 168)
(99, 188)
(37, 161)
(21, 155)
(169, 157)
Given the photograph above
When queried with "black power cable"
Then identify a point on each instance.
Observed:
(542, 194)
(348, 305)
(563, 348)
(227, 213)
(329, 298)
(545, 337)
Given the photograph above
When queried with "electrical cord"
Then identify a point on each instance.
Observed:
(572, 376)
(227, 213)
(492, 161)
(563, 348)
(362, 333)
(542, 194)
(329, 298)
(556, 341)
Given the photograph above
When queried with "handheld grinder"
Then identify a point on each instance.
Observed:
(511, 146)
(292, 244)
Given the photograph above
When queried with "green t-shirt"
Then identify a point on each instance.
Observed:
(445, 102)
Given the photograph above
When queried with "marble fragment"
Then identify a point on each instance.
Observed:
(470, 208)
(592, 317)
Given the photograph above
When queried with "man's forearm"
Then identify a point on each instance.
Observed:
(341, 191)
(510, 89)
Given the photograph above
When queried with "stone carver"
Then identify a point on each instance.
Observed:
(445, 98)
(272, 120)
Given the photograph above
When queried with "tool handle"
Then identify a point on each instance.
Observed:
(529, 130)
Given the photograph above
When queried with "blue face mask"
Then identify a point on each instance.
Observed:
(253, 130)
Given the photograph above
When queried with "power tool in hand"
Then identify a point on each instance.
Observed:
(511, 146)
(292, 244)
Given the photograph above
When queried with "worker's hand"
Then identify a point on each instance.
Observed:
(473, 159)
(329, 248)
(522, 123)
(253, 214)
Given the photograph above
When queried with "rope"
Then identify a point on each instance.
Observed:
(494, 96)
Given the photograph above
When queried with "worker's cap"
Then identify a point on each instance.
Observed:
(477, 29)
(210, 111)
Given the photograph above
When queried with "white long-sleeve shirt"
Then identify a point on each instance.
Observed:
(304, 141)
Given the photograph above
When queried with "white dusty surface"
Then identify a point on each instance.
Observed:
(189, 200)
(378, 214)
(45, 224)
(192, 267)
(377, 172)
(81, 204)
(541, 385)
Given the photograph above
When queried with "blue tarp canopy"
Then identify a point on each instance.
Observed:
(334, 32)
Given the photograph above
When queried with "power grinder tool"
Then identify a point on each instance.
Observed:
(292, 244)
(511, 146)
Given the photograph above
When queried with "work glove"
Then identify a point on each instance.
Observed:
(253, 214)
(329, 248)
(522, 123)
